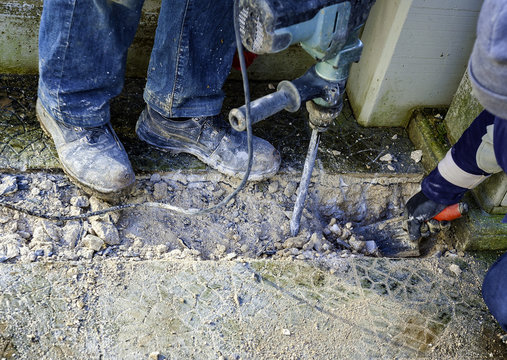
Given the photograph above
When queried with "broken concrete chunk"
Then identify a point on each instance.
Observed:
(387, 158)
(295, 242)
(39, 234)
(221, 249)
(370, 247)
(155, 178)
(416, 155)
(455, 269)
(9, 246)
(161, 249)
(41, 247)
(290, 189)
(159, 190)
(80, 201)
(345, 234)
(46, 185)
(92, 242)
(53, 231)
(71, 234)
(335, 229)
(356, 244)
(9, 185)
(155, 356)
(273, 187)
(97, 204)
(106, 231)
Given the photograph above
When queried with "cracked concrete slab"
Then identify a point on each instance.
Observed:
(360, 308)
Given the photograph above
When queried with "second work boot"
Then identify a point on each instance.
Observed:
(93, 158)
(212, 141)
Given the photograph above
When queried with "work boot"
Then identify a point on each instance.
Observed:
(93, 158)
(212, 141)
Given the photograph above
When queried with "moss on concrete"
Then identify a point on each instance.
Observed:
(427, 132)
(480, 231)
(462, 111)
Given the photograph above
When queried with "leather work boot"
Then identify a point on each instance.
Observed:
(93, 158)
(211, 141)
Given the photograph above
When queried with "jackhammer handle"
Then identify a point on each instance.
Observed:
(264, 107)
(452, 212)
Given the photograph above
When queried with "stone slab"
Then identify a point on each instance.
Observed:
(360, 308)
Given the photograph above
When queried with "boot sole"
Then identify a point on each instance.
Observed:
(111, 197)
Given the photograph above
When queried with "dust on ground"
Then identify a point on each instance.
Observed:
(253, 225)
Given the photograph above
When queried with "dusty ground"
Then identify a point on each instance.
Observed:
(112, 279)
(254, 225)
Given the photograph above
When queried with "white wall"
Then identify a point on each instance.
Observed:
(415, 54)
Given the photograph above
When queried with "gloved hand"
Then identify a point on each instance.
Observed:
(419, 213)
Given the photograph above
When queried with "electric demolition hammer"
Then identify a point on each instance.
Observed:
(329, 31)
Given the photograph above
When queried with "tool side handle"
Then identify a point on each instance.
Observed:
(286, 97)
(452, 212)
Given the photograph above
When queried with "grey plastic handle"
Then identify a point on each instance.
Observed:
(287, 97)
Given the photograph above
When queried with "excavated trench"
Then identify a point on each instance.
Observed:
(361, 176)
(254, 225)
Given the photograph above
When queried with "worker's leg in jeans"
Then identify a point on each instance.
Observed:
(191, 58)
(82, 54)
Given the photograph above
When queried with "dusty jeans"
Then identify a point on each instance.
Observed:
(83, 49)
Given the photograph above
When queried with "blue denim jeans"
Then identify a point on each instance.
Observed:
(83, 49)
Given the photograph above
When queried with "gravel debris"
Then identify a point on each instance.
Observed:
(255, 225)
(80, 201)
(416, 155)
(455, 269)
(9, 185)
(387, 158)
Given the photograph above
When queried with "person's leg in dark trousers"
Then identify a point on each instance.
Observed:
(191, 58)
